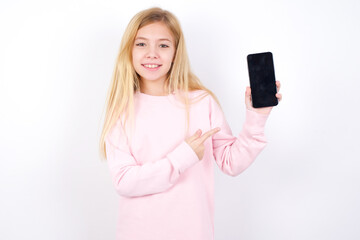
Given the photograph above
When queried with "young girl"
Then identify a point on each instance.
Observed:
(162, 131)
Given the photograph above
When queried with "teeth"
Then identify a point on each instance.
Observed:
(151, 66)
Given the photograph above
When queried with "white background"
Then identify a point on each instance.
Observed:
(56, 61)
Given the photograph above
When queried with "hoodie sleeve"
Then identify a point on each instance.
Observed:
(133, 180)
(233, 154)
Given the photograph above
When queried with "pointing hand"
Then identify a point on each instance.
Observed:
(197, 140)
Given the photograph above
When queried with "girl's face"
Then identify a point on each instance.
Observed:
(153, 53)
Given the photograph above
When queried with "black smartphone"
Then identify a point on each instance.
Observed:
(262, 79)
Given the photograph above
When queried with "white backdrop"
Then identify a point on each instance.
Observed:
(56, 61)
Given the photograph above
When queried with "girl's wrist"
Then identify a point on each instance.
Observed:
(263, 111)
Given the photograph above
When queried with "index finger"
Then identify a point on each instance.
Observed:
(208, 134)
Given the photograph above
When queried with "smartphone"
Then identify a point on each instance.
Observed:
(262, 79)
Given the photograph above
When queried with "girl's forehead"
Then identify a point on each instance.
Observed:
(156, 30)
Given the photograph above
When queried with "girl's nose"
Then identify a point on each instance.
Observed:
(152, 52)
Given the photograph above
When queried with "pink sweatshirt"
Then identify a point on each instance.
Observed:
(165, 191)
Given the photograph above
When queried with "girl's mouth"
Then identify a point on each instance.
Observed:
(151, 66)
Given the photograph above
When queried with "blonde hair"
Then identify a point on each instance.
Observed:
(125, 81)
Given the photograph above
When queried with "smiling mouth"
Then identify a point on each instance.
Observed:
(151, 66)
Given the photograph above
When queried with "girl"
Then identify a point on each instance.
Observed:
(162, 131)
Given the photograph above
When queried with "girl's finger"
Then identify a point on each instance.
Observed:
(208, 134)
(248, 91)
(278, 85)
(248, 97)
(195, 136)
(279, 96)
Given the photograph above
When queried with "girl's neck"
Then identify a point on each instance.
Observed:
(153, 90)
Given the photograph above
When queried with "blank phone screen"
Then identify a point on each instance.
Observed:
(262, 79)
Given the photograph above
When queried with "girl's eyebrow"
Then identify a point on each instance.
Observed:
(161, 39)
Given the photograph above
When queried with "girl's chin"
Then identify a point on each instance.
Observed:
(152, 79)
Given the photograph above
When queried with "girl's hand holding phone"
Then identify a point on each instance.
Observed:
(264, 110)
(196, 141)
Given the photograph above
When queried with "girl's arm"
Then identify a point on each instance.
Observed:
(234, 154)
(131, 179)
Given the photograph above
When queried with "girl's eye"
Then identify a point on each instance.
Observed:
(140, 44)
(164, 46)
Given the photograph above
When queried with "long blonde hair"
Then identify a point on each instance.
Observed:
(125, 81)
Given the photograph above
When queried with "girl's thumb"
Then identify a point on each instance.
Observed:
(248, 97)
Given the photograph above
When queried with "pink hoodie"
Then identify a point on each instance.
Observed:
(165, 192)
